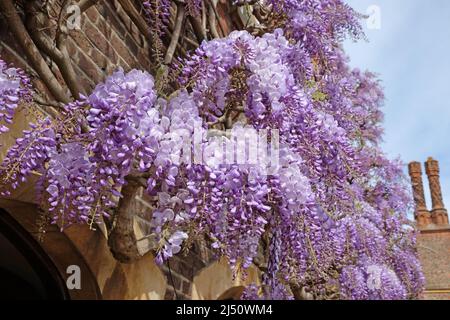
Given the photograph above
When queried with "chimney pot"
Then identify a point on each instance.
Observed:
(438, 213)
(422, 215)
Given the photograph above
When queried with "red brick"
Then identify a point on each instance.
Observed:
(72, 48)
(109, 15)
(80, 39)
(92, 14)
(132, 30)
(90, 68)
(122, 63)
(123, 51)
(103, 62)
(131, 44)
(143, 60)
(434, 253)
(99, 40)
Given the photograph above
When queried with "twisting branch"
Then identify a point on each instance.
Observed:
(31, 51)
(65, 65)
(181, 13)
(204, 17)
(50, 107)
(197, 27)
(260, 13)
(300, 292)
(216, 17)
(139, 178)
(137, 19)
(236, 19)
(192, 42)
(58, 53)
(42, 102)
(212, 21)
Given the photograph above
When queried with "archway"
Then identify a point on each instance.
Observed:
(50, 260)
(26, 271)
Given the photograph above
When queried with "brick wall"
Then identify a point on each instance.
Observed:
(108, 39)
(434, 239)
(434, 252)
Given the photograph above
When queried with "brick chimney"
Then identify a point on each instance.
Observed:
(421, 213)
(439, 214)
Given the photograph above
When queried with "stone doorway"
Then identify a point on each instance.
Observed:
(26, 271)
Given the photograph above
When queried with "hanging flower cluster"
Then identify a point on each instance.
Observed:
(14, 88)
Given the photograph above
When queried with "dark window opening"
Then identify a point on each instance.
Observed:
(26, 271)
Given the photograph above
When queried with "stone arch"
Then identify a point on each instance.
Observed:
(216, 282)
(139, 280)
(103, 277)
(56, 247)
(27, 272)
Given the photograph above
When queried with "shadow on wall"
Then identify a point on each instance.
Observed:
(28, 273)
(216, 282)
(101, 275)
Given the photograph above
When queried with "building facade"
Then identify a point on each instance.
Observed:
(107, 39)
(433, 243)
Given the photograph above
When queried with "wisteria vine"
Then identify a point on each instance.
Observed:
(14, 87)
(331, 212)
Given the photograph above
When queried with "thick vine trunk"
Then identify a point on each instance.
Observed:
(122, 239)
(300, 293)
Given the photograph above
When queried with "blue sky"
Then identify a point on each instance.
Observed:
(411, 53)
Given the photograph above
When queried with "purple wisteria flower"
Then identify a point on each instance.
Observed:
(331, 213)
(14, 87)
